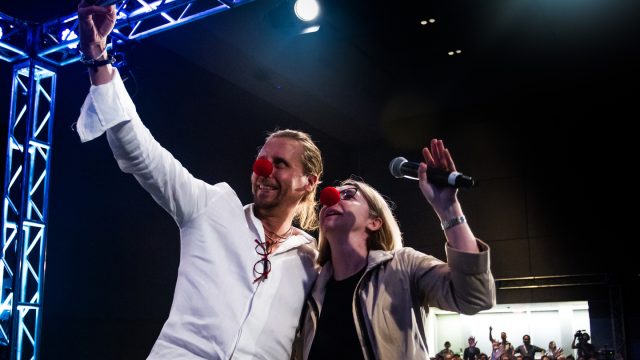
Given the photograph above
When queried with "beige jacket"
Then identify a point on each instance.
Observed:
(393, 296)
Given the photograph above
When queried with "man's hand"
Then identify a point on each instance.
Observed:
(96, 23)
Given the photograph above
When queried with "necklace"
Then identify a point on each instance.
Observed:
(271, 235)
(276, 239)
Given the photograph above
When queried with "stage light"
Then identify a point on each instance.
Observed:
(67, 35)
(306, 10)
(295, 18)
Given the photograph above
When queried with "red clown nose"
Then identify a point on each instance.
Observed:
(262, 167)
(329, 196)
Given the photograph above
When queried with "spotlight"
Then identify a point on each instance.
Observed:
(306, 10)
(295, 18)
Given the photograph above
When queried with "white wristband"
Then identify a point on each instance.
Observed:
(448, 224)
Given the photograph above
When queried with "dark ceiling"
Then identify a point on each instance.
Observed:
(374, 71)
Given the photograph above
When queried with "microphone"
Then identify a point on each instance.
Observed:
(402, 168)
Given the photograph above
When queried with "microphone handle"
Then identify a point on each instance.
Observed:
(440, 177)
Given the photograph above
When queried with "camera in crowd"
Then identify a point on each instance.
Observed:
(579, 333)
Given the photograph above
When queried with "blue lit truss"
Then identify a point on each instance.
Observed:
(25, 207)
(36, 52)
(137, 19)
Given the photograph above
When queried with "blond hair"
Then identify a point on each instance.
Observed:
(387, 238)
(305, 214)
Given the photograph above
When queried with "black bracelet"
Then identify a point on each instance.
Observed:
(95, 64)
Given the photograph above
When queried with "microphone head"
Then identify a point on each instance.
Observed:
(329, 196)
(262, 167)
(395, 166)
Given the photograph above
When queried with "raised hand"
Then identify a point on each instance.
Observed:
(440, 197)
(96, 23)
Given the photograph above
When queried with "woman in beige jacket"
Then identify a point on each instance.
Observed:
(372, 295)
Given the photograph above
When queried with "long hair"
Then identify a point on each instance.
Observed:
(387, 238)
(305, 214)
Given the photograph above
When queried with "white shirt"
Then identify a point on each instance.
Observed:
(218, 312)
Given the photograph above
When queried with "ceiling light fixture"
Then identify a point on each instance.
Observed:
(306, 10)
(427, 22)
(295, 18)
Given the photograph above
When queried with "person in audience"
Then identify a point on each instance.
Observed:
(526, 349)
(471, 352)
(500, 347)
(586, 350)
(554, 352)
(445, 351)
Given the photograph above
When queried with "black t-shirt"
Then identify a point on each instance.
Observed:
(586, 350)
(336, 336)
(471, 353)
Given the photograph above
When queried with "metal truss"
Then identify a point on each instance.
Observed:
(56, 41)
(13, 38)
(37, 51)
(25, 208)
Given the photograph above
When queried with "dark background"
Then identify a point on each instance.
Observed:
(539, 107)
